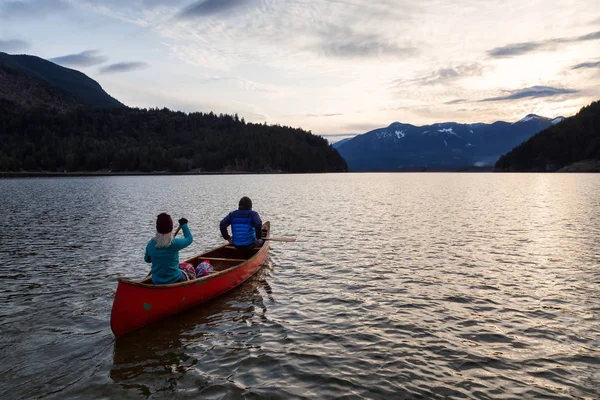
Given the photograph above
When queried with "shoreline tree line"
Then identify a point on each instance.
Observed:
(127, 139)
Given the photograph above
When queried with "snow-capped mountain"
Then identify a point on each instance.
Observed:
(443, 145)
(533, 117)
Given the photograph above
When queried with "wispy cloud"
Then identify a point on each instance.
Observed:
(592, 64)
(337, 137)
(531, 92)
(589, 36)
(123, 67)
(334, 135)
(86, 58)
(211, 7)
(30, 9)
(444, 75)
(457, 101)
(323, 115)
(360, 127)
(12, 45)
(517, 49)
(343, 42)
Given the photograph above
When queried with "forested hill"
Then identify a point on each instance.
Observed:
(19, 88)
(573, 145)
(53, 119)
(131, 139)
(76, 83)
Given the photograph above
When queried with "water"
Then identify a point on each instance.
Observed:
(475, 286)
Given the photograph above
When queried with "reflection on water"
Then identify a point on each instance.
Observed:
(479, 286)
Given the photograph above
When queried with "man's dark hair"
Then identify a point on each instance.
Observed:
(246, 203)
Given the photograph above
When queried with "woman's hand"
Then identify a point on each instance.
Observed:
(183, 221)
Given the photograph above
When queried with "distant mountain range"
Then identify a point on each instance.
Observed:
(571, 146)
(74, 83)
(446, 145)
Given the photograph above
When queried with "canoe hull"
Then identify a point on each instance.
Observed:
(137, 304)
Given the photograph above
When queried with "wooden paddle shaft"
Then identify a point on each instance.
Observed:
(177, 231)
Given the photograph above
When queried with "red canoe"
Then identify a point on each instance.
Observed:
(138, 304)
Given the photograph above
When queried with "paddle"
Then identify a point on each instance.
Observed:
(177, 231)
(280, 239)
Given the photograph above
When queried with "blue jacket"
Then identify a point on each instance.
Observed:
(165, 261)
(246, 227)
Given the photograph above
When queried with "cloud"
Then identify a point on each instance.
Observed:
(444, 75)
(123, 67)
(457, 101)
(369, 47)
(211, 7)
(360, 127)
(84, 59)
(589, 36)
(323, 115)
(342, 135)
(31, 9)
(343, 42)
(517, 49)
(337, 137)
(593, 64)
(531, 92)
(12, 45)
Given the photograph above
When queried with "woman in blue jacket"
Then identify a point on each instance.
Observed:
(163, 251)
(246, 226)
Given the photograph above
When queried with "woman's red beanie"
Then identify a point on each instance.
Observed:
(164, 223)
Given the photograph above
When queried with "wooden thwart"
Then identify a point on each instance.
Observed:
(222, 259)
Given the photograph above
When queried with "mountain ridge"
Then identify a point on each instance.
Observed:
(573, 145)
(17, 87)
(71, 81)
(440, 145)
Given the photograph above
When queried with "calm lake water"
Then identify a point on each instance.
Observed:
(401, 286)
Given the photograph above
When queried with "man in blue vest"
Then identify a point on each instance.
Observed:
(246, 226)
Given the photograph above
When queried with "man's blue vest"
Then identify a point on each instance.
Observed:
(242, 229)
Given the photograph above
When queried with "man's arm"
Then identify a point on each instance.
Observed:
(225, 222)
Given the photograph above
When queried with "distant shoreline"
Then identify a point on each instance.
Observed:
(578, 167)
(49, 174)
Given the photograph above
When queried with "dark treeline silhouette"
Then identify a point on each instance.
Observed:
(131, 139)
(573, 140)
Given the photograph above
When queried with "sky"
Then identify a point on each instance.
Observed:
(336, 68)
